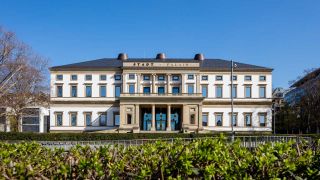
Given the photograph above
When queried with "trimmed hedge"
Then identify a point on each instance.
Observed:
(206, 158)
(93, 136)
(104, 136)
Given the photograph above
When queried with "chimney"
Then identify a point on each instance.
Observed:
(161, 56)
(199, 57)
(122, 56)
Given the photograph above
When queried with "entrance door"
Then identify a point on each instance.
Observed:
(161, 119)
(175, 119)
(146, 119)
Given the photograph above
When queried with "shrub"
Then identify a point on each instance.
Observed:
(211, 158)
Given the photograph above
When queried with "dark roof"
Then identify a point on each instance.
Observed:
(207, 64)
(310, 76)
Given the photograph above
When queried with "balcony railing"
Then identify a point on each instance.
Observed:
(160, 95)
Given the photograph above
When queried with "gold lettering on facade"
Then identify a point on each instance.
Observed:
(151, 64)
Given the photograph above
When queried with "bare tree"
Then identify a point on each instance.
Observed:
(310, 105)
(22, 78)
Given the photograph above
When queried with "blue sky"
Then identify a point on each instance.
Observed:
(284, 35)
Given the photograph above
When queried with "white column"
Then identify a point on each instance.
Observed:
(138, 83)
(153, 120)
(198, 83)
(124, 84)
(183, 87)
(168, 117)
(153, 83)
(168, 83)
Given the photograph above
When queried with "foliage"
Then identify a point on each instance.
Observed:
(102, 136)
(209, 158)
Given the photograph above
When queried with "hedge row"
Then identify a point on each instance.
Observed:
(93, 136)
(206, 158)
(103, 136)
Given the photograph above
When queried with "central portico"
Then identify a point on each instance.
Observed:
(165, 112)
(162, 100)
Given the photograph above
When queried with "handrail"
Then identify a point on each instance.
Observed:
(246, 141)
(160, 94)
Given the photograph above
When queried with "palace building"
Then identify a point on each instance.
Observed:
(160, 95)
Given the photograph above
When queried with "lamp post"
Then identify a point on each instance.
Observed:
(232, 130)
(274, 117)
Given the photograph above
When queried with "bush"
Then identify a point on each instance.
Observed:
(92, 136)
(7, 136)
(211, 158)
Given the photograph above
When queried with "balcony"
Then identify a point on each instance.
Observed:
(170, 96)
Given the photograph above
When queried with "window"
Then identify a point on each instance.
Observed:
(234, 91)
(87, 117)
(146, 77)
(234, 119)
(175, 90)
(117, 77)
(204, 91)
(262, 78)
(59, 119)
(247, 78)
(146, 90)
(160, 90)
(73, 91)
(103, 91)
(161, 78)
(88, 77)
(219, 91)
(234, 78)
(131, 76)
(103, 77)
(116, 118)
(131, 88)
(190, 88)
(247, 118)
(175, 78)
(262, 119)
(247, 91)
(204, 78)
(219, 119)
(74, 77)
(59, 77)
(219, 78)
(73, 119)
(190, 76)
(59, 91)
(88, 90)
(117, 91)
(129, 118)
(103, 119)
(192, 119)
(262, 91)
(204, 119)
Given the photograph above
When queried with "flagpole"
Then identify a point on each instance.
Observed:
(232, 131)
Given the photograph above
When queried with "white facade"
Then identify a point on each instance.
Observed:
(129, 112)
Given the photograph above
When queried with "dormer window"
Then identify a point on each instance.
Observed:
(204, 78)
(146, 77)
(247, 78)
(59, 77)
(74, 77)
(175, 78)
(190, 76)
(219, 78)
(88, 77)
(117, 77)
(103, 77)
(262, 78)
(131, 76)
(161, 78)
